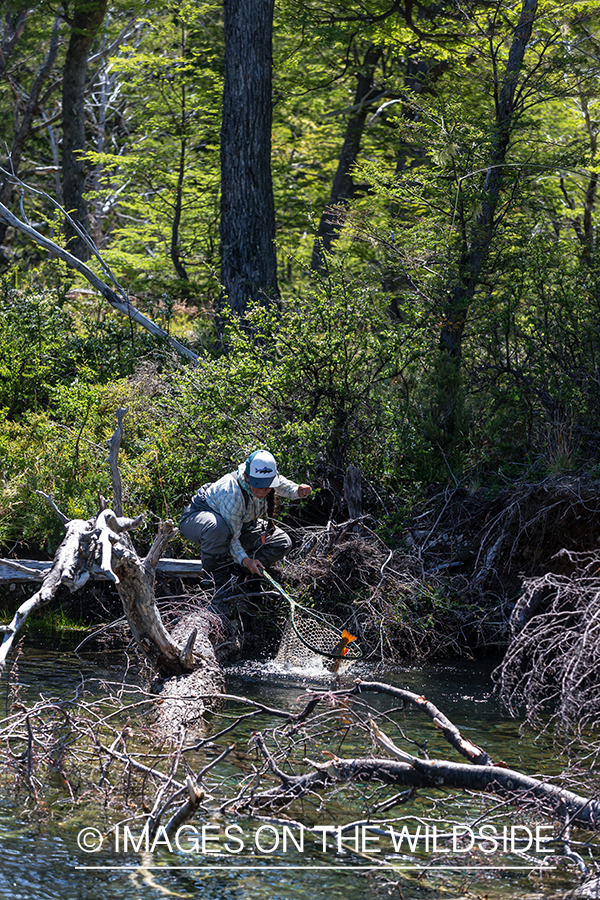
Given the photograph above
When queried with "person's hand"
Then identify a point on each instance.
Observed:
(304, 490)
(253, 565)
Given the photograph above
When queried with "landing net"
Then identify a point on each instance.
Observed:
(308, 635)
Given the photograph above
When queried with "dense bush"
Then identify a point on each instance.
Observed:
(48, 338)
(321, 382)
(331, 377)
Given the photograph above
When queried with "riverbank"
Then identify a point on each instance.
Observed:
(442, 585)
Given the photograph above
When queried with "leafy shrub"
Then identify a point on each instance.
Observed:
(47, 340)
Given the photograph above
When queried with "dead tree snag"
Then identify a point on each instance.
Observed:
(103, 544)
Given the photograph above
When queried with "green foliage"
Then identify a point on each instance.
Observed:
(59, 456)
(47, 339)
(321, 382)
(348, 369)
(517, 368)
(164, 172)
(536, 360)
(36, 350)
(327, 376)
(444, 423)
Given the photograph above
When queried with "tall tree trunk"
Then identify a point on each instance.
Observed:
(475, 253)
(343, 188)
(176, 258)
(25, 127)
(175, 249)
(461, 290)
(86, 19)
(248, 256)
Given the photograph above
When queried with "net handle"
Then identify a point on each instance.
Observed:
(295, 605)
(353, 653)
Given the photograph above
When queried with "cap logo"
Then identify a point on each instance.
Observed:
(264, 471)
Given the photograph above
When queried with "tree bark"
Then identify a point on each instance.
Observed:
(461, 289)
(585, 229)
(353, 493)
(24, 129)
(86, 20)
(343, 188)
(175, 248)
(475, 253)
(248, 256)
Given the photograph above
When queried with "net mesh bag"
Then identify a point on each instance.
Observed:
(308, 639)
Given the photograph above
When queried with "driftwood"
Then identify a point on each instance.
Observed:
(64, 570)
(185, 697)
(23, 571)
(103, 545)
(419, 773)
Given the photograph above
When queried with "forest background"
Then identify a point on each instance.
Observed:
(374, 223)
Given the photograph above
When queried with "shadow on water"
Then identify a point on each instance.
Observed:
(42, 859)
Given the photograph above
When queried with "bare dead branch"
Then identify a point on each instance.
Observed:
(114, 445)
(555, 801)
(140, 767)
(188, 810)
(121, 304)
(553, 660)
(166, 532)
(48, 498)
(452, 734)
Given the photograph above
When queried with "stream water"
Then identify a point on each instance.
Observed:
(41, 856)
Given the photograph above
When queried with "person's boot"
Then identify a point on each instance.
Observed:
(219, 573)
(252, 587)
(229, 589)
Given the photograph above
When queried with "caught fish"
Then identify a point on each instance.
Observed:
(340, 651)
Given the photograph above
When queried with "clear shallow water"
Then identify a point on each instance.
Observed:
(41, 859)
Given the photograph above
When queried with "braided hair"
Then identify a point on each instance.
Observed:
(270, 511)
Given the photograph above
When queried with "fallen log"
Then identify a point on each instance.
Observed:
(553, 801)
(102, 547)
(25, 571)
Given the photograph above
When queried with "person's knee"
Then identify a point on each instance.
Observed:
(209, 530)
(215, 543)
(275, 547)
(188, 527)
